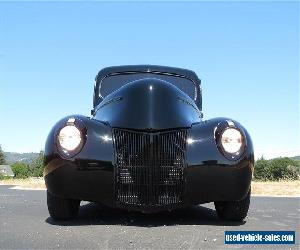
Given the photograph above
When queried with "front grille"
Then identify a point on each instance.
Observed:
(149, 167)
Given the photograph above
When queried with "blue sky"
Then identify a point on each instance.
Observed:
(246, 53)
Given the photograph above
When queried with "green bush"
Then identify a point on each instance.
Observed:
(262, 170)
(276, 169)
(21, 170)
(284, 169)
(35, 169)
(4, 177)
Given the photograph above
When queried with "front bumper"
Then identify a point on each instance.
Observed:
(96, 182)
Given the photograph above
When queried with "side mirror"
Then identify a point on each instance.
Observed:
(92, 112)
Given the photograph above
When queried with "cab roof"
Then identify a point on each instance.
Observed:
(180, 72)
(147, 68)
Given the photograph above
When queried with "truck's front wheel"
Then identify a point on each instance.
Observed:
(62, 209)
(233, 210)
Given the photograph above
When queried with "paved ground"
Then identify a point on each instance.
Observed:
(25, 223)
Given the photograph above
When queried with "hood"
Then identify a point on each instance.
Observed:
(148, 104)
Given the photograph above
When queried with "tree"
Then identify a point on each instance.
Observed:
(262, 170)
(2, 157)
(20, 169)
(276, 169)
(284, 169)
(37, 165)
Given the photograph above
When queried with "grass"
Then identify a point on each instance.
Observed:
(29, 183)
(276, 188)
(268, 188)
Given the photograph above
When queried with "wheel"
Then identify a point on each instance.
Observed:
(62, 209)
(233, 210)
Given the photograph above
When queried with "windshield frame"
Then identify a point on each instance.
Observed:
(98, 85)
(151, 69)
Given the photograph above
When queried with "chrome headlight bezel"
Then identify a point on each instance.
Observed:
(219, 132)
(80, 127)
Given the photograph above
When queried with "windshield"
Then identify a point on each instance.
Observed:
(113, 82)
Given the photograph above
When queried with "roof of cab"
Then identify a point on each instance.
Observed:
(147, 68)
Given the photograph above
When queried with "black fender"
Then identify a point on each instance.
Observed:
(86, 175)
(98, 143)
(210, 174)
(202, 144)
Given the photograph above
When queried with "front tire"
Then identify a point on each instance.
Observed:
(233, 210)
(62, 209)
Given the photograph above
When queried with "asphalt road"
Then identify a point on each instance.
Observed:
(25, 223)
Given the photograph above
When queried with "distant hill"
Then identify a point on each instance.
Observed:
(12, 157)
(295, 157)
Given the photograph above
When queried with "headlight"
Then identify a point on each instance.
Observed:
(232, 140)
(69, 138)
